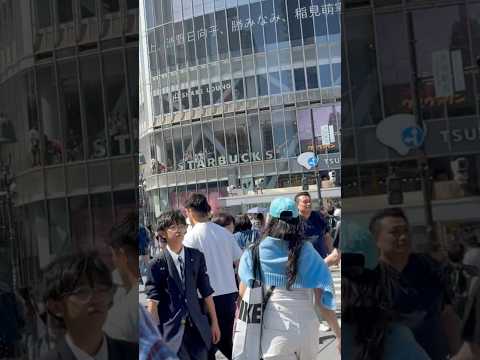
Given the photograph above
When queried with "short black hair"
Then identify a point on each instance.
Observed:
(395, 212)
(223, 219)
(242, 223)
(169, 218)
(199, 203)
(124, 235)
(303, 193)
(64, 274)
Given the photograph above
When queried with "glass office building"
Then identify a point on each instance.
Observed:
(69, 103)
(234, 91)
(377, 83)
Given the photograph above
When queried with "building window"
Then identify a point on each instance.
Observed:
(177, 147)
(305, 131)
(44, 13)
(282, 24)
(211, 38)
(93, 105)
(299, 79)
(70, 111)
(166, 103)
(156, 105)
(102, 218)
(307, 24)
(245, 33)
(221, 21)
(185, 102)
(291, 134)
(337, 74)
(87, 8)
(280, 143)
(262, 85)
(325, 75)
(80, 225)
(220, 147)
(269, 27)
(195, 97)
(242, 136)
(312, 77)
(179, 45)
(116, 106)
(65, 10)
(239, 91)
(257, 30)
(217, 92)
(200, 40)
(110, 6)
(251, 87)
(294, 24)
(227, 90)
(231, 137)
(255, 135)
(170, 46)
(206, 95)
(287, 81)
(274, 83)
(58, 229)
(233, 33)
(267, 137)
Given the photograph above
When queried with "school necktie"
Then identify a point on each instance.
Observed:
(182, 271)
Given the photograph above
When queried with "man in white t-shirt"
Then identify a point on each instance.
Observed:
(221, 253)
(122, 320)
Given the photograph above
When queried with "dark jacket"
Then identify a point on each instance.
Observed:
(174, 302)
(117, 349)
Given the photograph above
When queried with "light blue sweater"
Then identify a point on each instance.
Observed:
(312, 271)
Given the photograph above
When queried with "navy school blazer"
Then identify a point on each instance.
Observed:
(175, 301)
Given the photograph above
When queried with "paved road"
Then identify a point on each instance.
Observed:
(327, 349)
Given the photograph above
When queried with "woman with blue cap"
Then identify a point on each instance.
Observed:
(294, 269)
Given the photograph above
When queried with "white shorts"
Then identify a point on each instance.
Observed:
(290, 326)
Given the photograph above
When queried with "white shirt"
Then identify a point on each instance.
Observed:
(220, 250)
(79, 354)
(176, 262)
(122, 320)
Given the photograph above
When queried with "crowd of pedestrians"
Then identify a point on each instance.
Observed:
(201, 264)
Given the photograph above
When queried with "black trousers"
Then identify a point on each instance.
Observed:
(193, 347)
(225, 306)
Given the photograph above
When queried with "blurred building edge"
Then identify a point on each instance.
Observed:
(379, 138)
(68, 129)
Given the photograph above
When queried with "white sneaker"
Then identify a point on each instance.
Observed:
(324, 327)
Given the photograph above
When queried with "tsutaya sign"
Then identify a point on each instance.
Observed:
(321, 161)
(201, 161)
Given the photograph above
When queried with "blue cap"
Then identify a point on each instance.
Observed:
(282, 204)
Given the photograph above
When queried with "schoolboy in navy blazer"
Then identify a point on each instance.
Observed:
(182, 315)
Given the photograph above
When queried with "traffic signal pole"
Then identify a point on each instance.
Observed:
(423, 167)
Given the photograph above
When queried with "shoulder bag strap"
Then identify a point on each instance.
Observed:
(256, 267)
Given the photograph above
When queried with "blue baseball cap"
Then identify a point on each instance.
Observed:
(283, 206)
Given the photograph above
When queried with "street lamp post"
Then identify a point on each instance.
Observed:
(317, 173)
(422, 156)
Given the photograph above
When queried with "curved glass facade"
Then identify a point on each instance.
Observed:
(70, 96)
(236, 91)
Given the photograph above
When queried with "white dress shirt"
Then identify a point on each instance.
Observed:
(122, 320)
(176, 262)
(79, 354)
